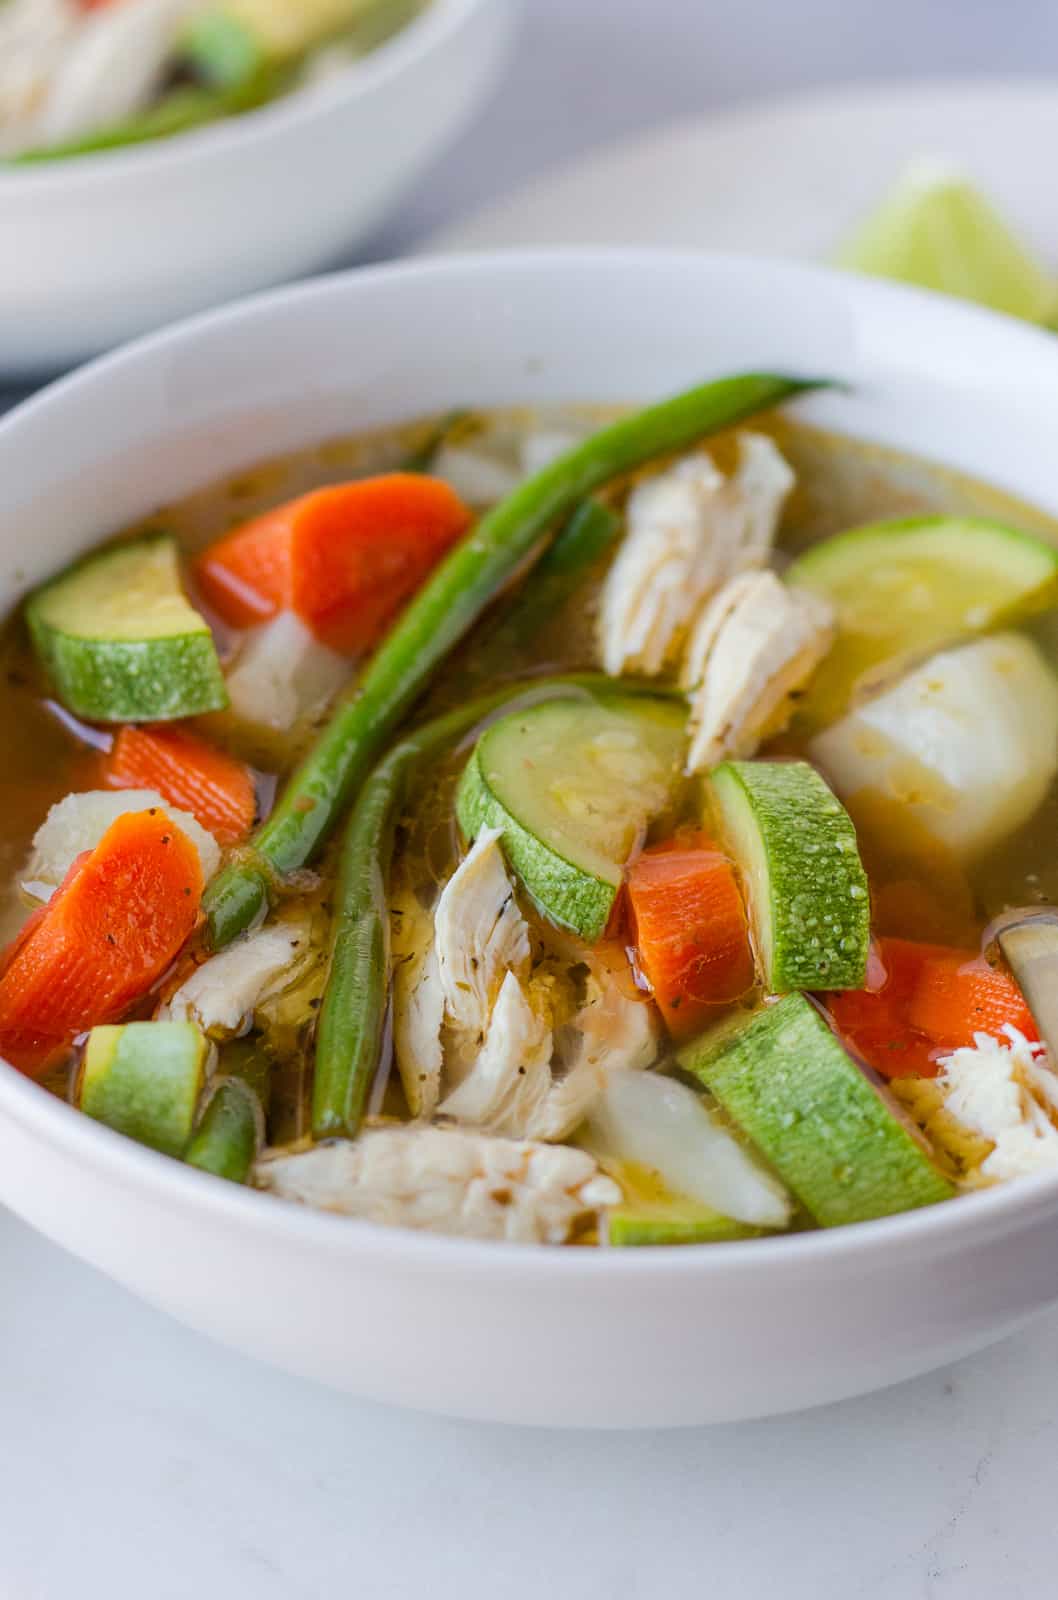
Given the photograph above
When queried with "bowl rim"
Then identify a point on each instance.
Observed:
(116, 1159)
(313, 102)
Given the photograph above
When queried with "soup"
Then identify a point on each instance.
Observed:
(570, 828)
(80, 76)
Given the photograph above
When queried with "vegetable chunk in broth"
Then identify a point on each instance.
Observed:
(572, 828)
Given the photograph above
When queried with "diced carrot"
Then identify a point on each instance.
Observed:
(189, 773)
(691, 934)
(344, 559)
(931, 1000)
(109, 932)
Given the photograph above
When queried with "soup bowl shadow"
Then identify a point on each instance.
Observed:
(505, 1332)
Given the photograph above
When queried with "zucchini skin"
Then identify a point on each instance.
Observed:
(445, 610)
(131, 680)
(818, 901)
(143, 1079)
(566, 895)
(627, 1228)
(157, 677)
(783, 1076)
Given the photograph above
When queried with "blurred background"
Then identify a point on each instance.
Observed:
(588, 71)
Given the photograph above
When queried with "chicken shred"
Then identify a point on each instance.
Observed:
(1005, 1092)
(222, 994)
(688, 531)
(418, 1004)
(753, 647)
(446, 1180)
(481, 935)
(520, 1058)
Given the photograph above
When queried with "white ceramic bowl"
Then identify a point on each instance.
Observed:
(511, 1332)
(96, 249)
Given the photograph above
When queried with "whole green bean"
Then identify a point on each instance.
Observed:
(443, 611)
(500, 652)
(229, 1132)
(583, 541)
(352, 1017)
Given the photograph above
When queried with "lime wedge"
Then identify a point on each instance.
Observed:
(936, 230)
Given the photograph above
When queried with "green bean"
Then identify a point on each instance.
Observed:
(499, 651)
(353, 1014)
(586, 537)
(229, 1131)
(251, 1060)
(443, 612)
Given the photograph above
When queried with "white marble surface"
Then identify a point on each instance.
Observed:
(136, 1458)
(139, 1459)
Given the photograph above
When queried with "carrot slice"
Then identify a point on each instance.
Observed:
(344, 559)
(691, 934)
(108, 933)
(189, 773)
(932, 1000)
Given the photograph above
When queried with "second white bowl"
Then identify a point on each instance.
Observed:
(98, 248)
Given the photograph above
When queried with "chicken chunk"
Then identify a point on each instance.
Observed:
(1005, 1092)
(610, 1031)
(445, 1180)
(755, 644)
(689, 531)
(484, 1042)
(78, 822)
(481, 935)
(512, 1073)
(418, 1004)
(222, 994)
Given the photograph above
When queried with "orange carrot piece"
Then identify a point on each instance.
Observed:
(691, 934)
(344, 559)
(189, 773)
(931, 1001)
(119, 919)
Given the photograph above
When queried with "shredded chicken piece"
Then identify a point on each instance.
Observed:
(754, 646)
(611, 1031)
(512, 1073)
(481, 935)
(688, 531)
(1007, 1094)
(445, 1180)
(418, 1004)
(527, 1055)
(222, 994)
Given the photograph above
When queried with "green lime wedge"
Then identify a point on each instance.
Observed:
(936, 230)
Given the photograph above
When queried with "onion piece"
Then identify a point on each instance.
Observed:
(659, 1123)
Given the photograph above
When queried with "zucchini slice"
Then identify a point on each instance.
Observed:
(843, 1148)
(572, 785)
(144, 1079)
(628, 1227)
(806, 890)
(121, 641)
(906, 587)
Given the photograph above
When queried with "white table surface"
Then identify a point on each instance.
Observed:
(139, 1459)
